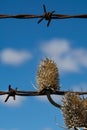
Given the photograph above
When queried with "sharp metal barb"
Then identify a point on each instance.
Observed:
(7, 98)
(44, 7)
(48, 22)
(40, 20)
(47, 16)
(12, 92)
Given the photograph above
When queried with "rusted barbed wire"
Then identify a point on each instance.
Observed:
(15, 92)
(46, 15)
(36, 93)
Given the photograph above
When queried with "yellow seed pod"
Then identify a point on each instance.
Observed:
(47, 75)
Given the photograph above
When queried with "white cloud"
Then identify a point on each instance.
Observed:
(56, 98)
(12, 103)
(47, 129)
(80, 87)
(41, 98)
(14, 57)
(68, 59)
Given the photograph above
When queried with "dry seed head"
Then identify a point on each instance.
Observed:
(84, 101)
(47, 75)
(84, 105)
(72, 110)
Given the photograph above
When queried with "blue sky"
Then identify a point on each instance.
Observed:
(24, 43)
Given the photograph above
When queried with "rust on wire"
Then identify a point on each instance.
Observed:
(13, 92)
(48, 16)
(19, 16)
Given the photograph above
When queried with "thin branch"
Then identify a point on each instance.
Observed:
(52, 101)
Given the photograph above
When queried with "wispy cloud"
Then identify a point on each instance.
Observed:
(47, 129)
(14, 57)
(41, 98)
(80, 87)
(19, 100)
(56, 98)
(68, 59)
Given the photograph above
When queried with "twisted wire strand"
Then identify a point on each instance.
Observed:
(36, 93)
(20, 16)
(46, 15)
(30, 16)
(13, 92)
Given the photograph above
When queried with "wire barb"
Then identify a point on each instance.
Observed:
(12, 92)
(47, 16)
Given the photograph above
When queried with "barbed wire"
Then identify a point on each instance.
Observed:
(15, 92)
(48, 16)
